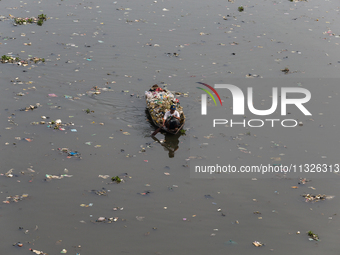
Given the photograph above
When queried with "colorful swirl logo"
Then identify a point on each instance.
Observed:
(204, 97)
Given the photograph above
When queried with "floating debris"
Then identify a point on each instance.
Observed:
(18, 244)
(285, 71)
(313, 236)
(30, 107)
(145, 193)
(116, 179)
(15, 198)
(30, 20)
(70, 153)
(303, 181)
(172, 54)
(257, 244)
(104, 176)
(9, 173)
(19, 62)
(88, 111)
(253, 76)
(57, 124)
(316, 198)
(107, 219)
(100, 192)
(84, 205)
(38, 252)
(96, 90)
(61, 176)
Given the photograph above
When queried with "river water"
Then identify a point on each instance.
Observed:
(162, 205)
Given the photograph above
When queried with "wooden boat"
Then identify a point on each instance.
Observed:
(158, 102)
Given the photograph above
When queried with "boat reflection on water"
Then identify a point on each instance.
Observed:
(170, 143)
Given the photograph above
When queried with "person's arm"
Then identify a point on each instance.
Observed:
(177, 116)
(164, 118)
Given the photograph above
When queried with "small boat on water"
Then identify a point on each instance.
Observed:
(158, 102)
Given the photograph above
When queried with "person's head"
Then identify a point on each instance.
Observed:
(172, 108)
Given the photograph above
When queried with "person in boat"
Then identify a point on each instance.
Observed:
(171, 118)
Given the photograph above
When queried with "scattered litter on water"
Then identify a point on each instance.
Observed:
(61, 176)
(104, 176)
(312, 236)
(316, 198)
(100, 192)
(38, 252)
(70, 153)
(145, 193)
(257, 244)
(107, 219)
(15, 198)
(303, 181)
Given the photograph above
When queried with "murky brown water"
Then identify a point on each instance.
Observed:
(125, 46)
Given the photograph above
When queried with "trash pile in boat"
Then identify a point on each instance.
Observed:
(158, 101)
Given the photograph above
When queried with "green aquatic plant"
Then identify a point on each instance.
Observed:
(116, 179)
(241, 9)
(42, 17)
(21, 21)
(313, 236)
(18, 21)
(89, 111)
(5, 57)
